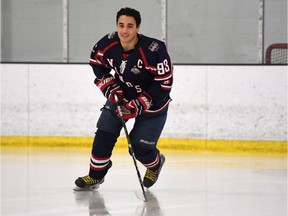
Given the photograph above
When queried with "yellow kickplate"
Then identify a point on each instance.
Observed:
(168, 144)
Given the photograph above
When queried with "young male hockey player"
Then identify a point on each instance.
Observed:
(142, 81)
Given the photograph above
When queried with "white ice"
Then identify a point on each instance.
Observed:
(40, 182)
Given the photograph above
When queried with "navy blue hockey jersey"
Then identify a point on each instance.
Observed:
(147, 68)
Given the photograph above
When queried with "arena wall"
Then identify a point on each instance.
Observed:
(242, 106)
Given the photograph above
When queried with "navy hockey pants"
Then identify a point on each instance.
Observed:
(144, 137)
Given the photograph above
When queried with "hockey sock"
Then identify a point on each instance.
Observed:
(101, 152)
(150, 158)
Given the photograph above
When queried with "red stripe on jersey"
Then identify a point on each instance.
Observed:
(159, 110)
(100, 53)
(109, 46)
(165, 87)
(150, 68)
(96, 62)
(166, 77)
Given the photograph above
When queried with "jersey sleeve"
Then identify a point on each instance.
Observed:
(98, 64)
(161, 86)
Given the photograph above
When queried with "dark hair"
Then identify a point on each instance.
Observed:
(129, 12)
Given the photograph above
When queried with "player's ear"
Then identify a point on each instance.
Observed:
(138, 28)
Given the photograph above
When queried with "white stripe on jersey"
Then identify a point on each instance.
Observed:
(96, 61)
(166, 87)
(159, 110)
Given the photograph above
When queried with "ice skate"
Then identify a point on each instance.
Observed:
(87, 183)
(151, 176)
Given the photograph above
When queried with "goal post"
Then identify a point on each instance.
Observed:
(277, 53)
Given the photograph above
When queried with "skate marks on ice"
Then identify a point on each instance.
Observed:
(97, 205)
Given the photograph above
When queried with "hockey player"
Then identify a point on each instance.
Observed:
(138, 70)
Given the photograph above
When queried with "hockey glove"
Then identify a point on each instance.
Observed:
(137, 106)
(109, 88)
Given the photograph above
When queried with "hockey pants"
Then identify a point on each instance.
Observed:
(144, 137)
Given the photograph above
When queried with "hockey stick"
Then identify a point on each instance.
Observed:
(131, 151)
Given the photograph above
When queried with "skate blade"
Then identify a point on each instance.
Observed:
(95, 187)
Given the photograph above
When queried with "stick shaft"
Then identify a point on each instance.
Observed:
(131, 150)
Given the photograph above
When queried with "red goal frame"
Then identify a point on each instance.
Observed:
(274, 46)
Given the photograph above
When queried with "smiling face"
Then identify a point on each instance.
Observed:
(127, 32)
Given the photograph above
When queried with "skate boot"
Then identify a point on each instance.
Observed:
(87, 183)
(151, 176)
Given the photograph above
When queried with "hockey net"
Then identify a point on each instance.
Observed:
(277, 54)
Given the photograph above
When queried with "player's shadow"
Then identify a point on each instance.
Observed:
(94, 200)
(150, 207)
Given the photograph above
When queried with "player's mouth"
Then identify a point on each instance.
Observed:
(125, 36)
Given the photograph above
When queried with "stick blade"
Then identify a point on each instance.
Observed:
(140, 195)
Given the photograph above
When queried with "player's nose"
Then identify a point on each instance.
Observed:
(125, 29)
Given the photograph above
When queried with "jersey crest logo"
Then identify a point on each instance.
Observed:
(153, 46)
(135, 70)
